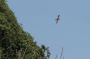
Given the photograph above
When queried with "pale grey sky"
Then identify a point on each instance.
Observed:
(72, 32)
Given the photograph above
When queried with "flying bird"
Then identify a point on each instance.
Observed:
(57, 19)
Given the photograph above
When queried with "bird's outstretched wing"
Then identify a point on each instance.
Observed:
(57, 19)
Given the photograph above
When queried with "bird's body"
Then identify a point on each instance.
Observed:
(57, 19)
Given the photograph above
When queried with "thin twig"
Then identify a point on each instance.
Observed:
(61, 54)
(24, 53)
(56, 57)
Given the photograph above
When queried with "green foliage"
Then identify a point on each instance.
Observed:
(15, 43)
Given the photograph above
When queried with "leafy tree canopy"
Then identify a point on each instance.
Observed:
(15, 43)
